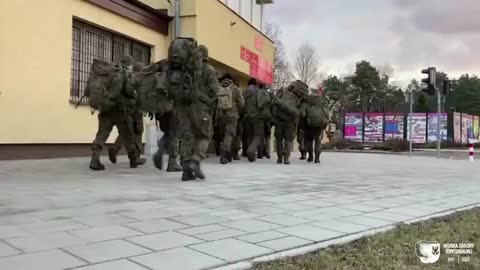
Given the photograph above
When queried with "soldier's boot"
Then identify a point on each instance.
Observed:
(141, 161)
(223, 157)
(95, 163)
(286, 159)
(259, 155)
(195, 165)
(173, 166)
(310, 156)
(112, 154)
(317, 157)
(279, 152)
(132, 157)
(188, 174)
(229, 156)
(235, 155)
(303, 155)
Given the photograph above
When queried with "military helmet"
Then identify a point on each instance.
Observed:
(203, 50)
(126, 61)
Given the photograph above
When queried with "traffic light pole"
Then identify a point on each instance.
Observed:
(439, 110)
(410, 124)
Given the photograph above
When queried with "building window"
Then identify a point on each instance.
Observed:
(90, 42)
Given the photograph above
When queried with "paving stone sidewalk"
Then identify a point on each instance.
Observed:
(56, 214)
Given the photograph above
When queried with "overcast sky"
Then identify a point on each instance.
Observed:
(407, 35)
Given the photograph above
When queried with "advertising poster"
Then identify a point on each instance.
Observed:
(457, 125)
(394, 126)
(419, 122)
(476, 122)
(432, 127)
(373, 127)
(353, 126)
(467, 127)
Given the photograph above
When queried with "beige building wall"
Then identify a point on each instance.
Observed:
(35, 68)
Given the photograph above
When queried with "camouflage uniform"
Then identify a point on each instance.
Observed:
(226, 121)
(138, 130)
(195, 127)
(124, 96)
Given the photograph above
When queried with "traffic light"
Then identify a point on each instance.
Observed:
(429, 81)
(447, 87)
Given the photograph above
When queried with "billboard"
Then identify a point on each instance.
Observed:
(476, 123)
(394, 126)
(457, 127)
(467, 128)
(419, 124)
(432, 127)
(373, 127)
(354, 127)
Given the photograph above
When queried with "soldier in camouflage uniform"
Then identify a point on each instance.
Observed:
(227, 118)
(137, 128)
(286, 106)
(195, 126)
(123, 94)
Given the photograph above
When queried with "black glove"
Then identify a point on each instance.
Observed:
(150, 115)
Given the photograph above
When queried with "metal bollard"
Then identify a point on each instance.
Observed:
(471, 152)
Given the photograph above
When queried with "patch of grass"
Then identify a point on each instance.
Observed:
(395, 249)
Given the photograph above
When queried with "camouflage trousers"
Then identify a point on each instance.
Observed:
(138, 130)
(237, 139)
(226, 131)
(168, 125)
(301, 139)
(255, 133)
(284, 136)
(313, 136)
(195, 130)
(124, 123)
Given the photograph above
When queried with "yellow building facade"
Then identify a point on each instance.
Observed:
(46, 47)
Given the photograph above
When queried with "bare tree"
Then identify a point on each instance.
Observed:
(281, 69)
(306, 64)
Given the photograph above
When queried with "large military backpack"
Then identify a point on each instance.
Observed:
(317, 113)
(99, 83)
(184, 69)
(152, 94)
(225, 98)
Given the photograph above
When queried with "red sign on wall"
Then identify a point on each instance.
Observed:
(258, 43)
(260, 68)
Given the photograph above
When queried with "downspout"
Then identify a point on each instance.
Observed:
(177, 18)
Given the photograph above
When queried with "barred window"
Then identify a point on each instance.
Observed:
(90, 42)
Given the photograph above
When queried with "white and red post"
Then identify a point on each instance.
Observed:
(471, 152)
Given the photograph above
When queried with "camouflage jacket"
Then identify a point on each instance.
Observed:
(238, 100)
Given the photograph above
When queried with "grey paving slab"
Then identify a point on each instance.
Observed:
(202, 229)
(390, 216)
(149, 214)
(231, 250)
(242, 216)
(361, 207)
(311, 233)
(156, 225)
(178, 259)
(11, 231)
(198, 220)
(51, 226)
(39, 242)
(6, 250)
(285, 220)
(261, 236)
(340, 226)
(251, 225)
(367, 221)
(107, 251)
(104, 233)
(51, 260)
(114, 265)
(285, 243)
(165, 240)
(104, 220)
(228, 233)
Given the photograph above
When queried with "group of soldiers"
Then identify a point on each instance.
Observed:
(193, 108)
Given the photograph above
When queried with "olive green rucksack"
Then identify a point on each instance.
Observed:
(99, 83)
(317, 112)
(152, 96)
(184, 70)
(225, 98)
